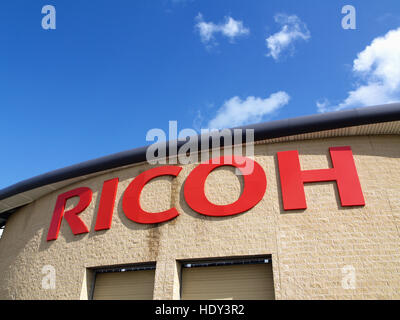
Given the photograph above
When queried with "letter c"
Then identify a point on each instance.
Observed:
(131, 200)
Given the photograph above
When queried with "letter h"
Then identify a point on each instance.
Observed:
(344, 172)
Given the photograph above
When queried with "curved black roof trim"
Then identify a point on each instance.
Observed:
(262, 131)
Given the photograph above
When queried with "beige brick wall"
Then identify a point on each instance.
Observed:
(309, 248)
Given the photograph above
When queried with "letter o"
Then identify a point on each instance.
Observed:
(254, 188)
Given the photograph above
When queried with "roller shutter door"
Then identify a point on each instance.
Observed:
(128, 285)
(233, 282)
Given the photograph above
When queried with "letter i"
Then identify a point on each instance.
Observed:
(106, 206)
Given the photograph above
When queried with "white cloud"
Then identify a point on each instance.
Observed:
(377, 69)
(236, 112)
(293, 29)
(231, 29)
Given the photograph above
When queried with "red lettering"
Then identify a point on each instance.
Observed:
(255, 184)
(292, 179)
(106, 206)
(131, 199)
(76, 224)
(344, 172)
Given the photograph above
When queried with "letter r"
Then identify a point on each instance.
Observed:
(76, 224)
(344, 172)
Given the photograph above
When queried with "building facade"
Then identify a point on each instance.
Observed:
(324, 251)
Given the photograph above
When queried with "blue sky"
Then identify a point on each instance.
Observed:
(112, 70)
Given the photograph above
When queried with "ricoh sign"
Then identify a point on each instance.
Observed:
(292, 180)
